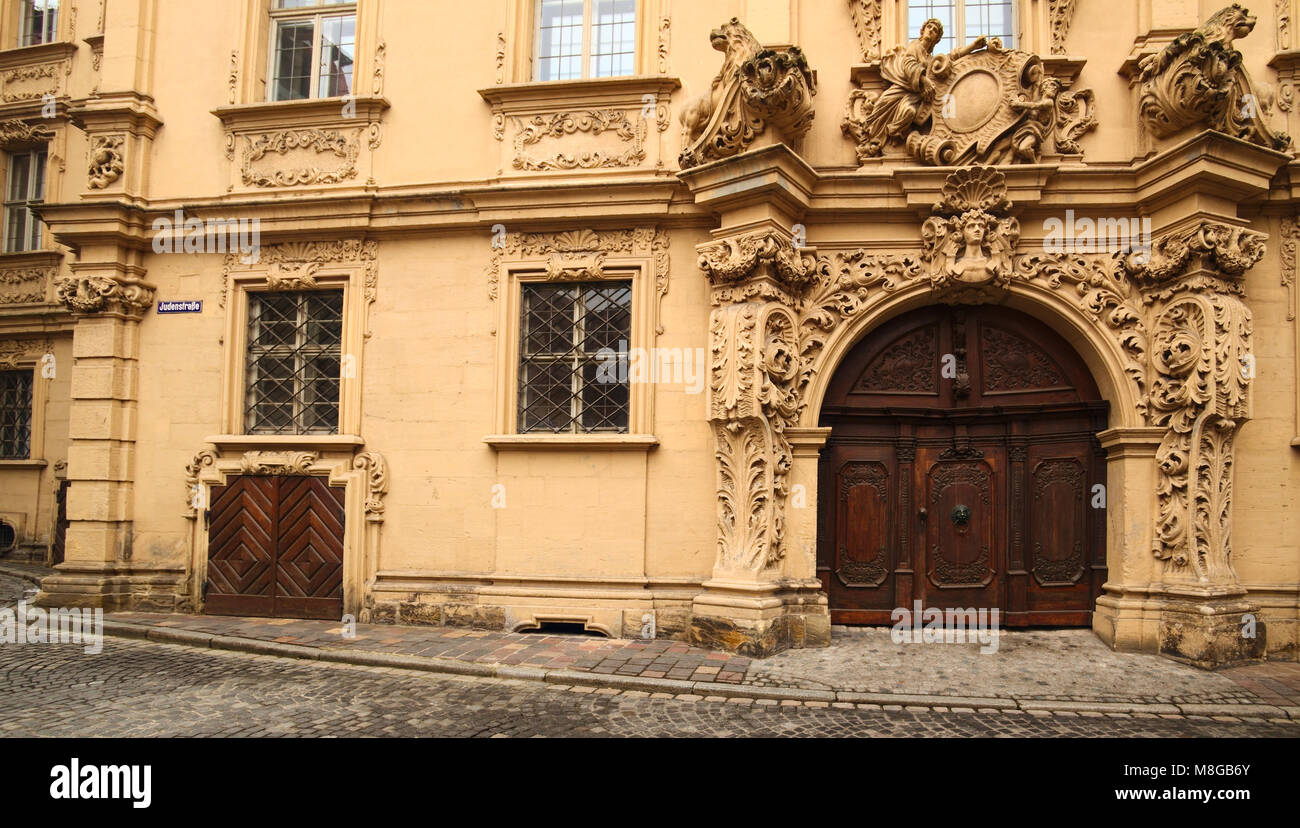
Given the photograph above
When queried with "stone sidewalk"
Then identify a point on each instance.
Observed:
(1032, 670)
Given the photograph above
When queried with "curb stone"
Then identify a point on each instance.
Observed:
(676, 688)
(21, 574)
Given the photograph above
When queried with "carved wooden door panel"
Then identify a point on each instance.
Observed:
(962, 471)
(961, 560)
(275, 548)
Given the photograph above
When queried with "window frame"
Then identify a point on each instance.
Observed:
(577, 382)
(588, 6)
(298, 394)
(22, 19)
(32, 401)
(317, 14)
(36, 227)
(959, 23)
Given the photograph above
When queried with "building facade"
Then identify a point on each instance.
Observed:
(723, 321)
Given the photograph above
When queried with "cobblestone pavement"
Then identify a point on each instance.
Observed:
(13, 590)
(1046, 665)
(137, 689)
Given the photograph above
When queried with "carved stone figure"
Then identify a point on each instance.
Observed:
(1199, 80)
(965, 243)
(979, 104)
(755, 87)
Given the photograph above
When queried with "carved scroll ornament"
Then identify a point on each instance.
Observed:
(94, 294)
(1199, 80)
(979, 104)
(755, 88)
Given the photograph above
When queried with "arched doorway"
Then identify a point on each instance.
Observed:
(962, 470)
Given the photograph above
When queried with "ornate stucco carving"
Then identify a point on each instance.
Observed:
(665, 41)
(581, 255)
(294, 265)
(33, 81)
(755, 88)
(1199, 80)
(1061, 15)
(96, 294)
(559, 125)
(381, 60)
(107, 160)
(14, 351)
(16, 133)
(968, 241)
(277, 463)
(193, 472)
(1290, 238)
(376, 474)
(757, 281)
(25, 284)
(981, 103)
(300, 151)
(866, 22)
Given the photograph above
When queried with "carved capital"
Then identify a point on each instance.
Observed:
(764, 264)
(97, 294)
(1198, 80)
(1211, 257)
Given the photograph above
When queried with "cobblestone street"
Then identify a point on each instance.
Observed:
(146, 689)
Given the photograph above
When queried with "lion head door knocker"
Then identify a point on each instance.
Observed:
(961, 516)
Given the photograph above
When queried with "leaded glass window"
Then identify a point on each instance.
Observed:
(573, 338)
(294, 356)
(15, 415)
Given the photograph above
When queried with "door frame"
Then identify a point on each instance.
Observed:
(363, 476)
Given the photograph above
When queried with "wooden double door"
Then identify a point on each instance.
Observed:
(963, 470)
(275, 548)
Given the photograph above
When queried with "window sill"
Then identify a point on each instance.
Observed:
(23, 464)
(262, 442)
(40, 53)
(625, 88)
(307, 112)
(572, 442)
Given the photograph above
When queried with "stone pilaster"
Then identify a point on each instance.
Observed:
(1199, 377)
(108, 300)
(751, 605)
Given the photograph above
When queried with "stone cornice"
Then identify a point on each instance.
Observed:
(314, 112)
(130, 112)
(40, 53)
(578, 93)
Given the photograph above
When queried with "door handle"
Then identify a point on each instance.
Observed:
(924, 513)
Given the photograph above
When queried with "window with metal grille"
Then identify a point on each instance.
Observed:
(40, 22)
(15, 415)
(313, 45)
(963, 21)
(294, 342)
(25, 187)
(573, 341)
(585, 39)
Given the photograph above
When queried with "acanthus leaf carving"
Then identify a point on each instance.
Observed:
(594, 122)
(95, 294)
(25, 285)
(277, 463)
(755, 87)
(292, 143)
(376, 475)
(1199, 80)
(866, 22)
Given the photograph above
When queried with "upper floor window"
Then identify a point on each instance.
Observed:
(294, 362)
(40, 21)
(15, 415)
(25, 187)
(570, 336)
(963, 21)
(313, 45)
(585, 39)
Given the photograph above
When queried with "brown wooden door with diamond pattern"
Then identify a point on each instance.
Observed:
(275, 548)
(961, 472)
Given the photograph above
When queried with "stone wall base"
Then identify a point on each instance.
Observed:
(1206, 632)
(114, 588)
(610, 610)
(760, 620)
